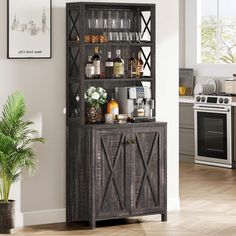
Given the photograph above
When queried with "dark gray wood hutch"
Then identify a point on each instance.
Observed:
(115, 170)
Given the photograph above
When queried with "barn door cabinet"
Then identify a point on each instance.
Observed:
(125, 172)
(119, 170)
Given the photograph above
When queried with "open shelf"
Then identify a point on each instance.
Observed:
(120, 79)
(115, 43)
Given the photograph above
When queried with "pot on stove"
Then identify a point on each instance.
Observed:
(230, 86)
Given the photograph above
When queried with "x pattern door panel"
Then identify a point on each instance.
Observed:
(111, 174)
(146, 174)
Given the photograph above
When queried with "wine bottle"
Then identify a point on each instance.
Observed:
(108, 66)
(139, 66)
(97, 64)
(89, 68)
(118, 65)
(132, 67)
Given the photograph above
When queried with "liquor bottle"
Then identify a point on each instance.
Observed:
(118, 65)
(113, 107)
(108, 66)
(89, 68)
(97, 64)
(139, 66)
(132, 67)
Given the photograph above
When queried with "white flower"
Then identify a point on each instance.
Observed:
(91, 90)
(100, 90)
(104, 95)
(95, 96)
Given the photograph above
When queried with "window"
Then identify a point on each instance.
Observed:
(216, 31)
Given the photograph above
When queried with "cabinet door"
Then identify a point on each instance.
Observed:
(186, 115)
(148, 177)
(111, 174)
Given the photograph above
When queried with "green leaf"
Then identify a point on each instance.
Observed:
(16, 137)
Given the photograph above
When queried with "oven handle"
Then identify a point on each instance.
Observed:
(211, 109)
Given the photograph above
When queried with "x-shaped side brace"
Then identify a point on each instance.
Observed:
(73, 23)
(146, 59)
(73, 64)
(146, 25)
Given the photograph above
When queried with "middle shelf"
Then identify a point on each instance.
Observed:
(78, 80)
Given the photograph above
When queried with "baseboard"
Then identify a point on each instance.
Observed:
(40, 217)
(173, 204)
(19, 220)
(59, 215)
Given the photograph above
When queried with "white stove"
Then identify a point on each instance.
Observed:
(213, 130)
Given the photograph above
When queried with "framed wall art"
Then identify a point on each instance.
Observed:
(29, 29)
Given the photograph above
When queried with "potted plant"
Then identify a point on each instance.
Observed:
(94, 98)
(16, 136)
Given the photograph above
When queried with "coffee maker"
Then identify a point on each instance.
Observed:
(130, 98)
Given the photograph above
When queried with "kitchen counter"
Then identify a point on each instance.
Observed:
(187, 99)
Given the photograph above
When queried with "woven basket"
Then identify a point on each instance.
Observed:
(7, 217)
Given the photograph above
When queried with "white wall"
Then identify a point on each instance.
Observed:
(42, 198)
(182, 33)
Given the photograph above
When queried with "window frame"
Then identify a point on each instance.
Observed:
(191, 47)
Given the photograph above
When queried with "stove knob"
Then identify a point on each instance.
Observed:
(221, 100)
(198, 99)
(203, 99)
(226, 100)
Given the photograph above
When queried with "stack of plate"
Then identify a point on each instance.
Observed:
(209, 87)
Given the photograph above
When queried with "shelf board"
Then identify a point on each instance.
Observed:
(142, 44)
(73, 121)
(73, 43)
(121, 79)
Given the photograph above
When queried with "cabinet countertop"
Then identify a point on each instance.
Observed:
(186, 99)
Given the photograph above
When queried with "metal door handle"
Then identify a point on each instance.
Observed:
(131, 141)
(211, 109)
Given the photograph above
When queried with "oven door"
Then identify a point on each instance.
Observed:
(213, 136)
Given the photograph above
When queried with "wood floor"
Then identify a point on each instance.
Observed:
(208, 207)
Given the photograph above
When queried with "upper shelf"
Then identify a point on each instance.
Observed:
(142, 44)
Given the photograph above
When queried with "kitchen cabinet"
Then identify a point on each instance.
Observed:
(115, 170)
(186, 132)
(122, 173)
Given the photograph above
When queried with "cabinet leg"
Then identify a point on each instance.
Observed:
(92, 224)
(164, 217)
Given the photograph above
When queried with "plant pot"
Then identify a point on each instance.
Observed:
(94, 115)
(7, 217)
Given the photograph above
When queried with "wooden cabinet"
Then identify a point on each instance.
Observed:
(119, 170)
(128, 171)
(186, 132)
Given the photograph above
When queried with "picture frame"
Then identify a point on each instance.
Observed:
(29, 29)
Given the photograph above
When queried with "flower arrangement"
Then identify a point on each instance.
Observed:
(95, 97)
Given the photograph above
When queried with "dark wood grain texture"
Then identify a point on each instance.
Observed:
(113, 171)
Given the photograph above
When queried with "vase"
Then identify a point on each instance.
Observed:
(94, 115)
(7, 217)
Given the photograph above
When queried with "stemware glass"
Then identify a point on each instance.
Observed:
(91, 21)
